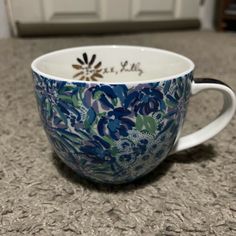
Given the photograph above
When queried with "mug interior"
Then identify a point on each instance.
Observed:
(112, 64)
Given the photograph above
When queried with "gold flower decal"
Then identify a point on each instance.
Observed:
(88, 69)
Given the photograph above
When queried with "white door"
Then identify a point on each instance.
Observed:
(28, 11)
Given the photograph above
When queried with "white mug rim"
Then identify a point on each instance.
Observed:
(58, 78)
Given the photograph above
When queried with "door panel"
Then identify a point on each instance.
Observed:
(152, 9)
(185, 9)
(71, 10)
(26, 10)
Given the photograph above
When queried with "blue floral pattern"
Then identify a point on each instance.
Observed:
(112, 133)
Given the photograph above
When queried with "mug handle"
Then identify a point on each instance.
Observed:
(213, 128)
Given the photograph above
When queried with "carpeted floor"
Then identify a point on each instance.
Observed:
(190, 193)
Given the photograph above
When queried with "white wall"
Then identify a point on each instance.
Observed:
(206, 14)
(4, 25)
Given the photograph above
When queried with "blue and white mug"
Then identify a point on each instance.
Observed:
(113, 113)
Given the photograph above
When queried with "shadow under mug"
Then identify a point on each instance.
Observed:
(113, 113)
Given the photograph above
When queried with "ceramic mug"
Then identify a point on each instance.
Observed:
(113, 113)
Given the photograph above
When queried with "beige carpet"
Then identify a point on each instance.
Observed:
(191, 193)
